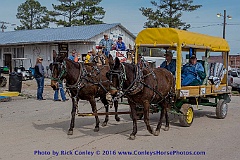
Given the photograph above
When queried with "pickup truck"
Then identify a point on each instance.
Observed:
(235, 78)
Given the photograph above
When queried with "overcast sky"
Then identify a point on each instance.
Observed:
(126, 12)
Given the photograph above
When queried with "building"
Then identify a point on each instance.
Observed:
(234, 61)
(41, 42)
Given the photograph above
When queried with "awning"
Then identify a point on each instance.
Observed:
(160, 37)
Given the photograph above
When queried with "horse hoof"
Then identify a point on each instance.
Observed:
(166, 128)
(132, 137)
(150, 130)
(104, 124)
(96, 129)
(70, 132)
(117, 119)
(156, 133)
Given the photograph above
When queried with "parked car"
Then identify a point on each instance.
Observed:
(230, 79)
(235, 81)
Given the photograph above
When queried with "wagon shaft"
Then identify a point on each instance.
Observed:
(100, 114)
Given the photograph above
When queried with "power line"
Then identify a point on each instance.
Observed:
(206, 26)
(210, 25)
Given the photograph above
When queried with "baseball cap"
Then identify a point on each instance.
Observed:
(169, 53)
(193, 57)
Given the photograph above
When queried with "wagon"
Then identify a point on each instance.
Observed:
(184, 42)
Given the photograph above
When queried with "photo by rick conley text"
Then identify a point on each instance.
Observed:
(119, 153)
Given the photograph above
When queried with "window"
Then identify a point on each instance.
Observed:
(234, 74)
(18, 53)
(8, 50)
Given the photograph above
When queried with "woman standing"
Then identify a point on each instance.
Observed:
(39, 76)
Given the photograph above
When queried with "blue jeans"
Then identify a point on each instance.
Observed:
(106, 52)
(60, 85)
(40, 85)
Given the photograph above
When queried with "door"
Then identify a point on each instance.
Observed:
(7, 58)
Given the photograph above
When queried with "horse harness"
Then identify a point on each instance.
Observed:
(99, 58)
(84, 76)
(138, 83)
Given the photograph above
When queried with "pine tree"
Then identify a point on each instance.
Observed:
(32, 15)
(90, 13)
(77, 12)
(168, 13)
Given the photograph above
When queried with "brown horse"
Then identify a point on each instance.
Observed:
(85, 82)
(143, 86)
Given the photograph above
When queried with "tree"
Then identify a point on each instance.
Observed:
(90, 13)
(168, 13)
(77, 12)
(32, 15)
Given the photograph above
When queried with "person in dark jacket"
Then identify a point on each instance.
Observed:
(39, 76)
(169, 63)
(120, 46)
(192, 73)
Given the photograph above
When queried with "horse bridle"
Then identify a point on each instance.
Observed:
(62, 69)
(121, 75)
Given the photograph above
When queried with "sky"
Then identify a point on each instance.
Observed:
(126, 12)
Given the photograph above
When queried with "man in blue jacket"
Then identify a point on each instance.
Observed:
(169, 63)
(193, 73)
(72, 57)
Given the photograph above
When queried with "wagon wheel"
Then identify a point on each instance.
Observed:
(139, 115)
(3, 81)
(187, 118)
(221, 109)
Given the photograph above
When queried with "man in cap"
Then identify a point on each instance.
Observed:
(193, 73)
(72, 57)
(169, 63)
(106, 45)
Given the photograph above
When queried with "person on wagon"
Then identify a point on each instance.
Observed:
(106, 45)
(88, 57)
(169, 63)
(73, 57)
(193, 73)
(120, 45)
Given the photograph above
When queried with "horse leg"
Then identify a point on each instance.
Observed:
(146, 115)
(94, 110)
(116, 110)
(134, 118)
(167, 121)
(157, 132)
(73, 113)
(104, 101)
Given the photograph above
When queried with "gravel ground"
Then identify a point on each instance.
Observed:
(32, 129)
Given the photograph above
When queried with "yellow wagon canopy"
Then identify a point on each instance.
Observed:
(157, 37)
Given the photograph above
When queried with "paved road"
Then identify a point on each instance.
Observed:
(32, 129)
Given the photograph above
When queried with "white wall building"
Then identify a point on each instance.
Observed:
(41, 42)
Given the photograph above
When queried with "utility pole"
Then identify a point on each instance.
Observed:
(224, 21)
(3, 25)
(224, 24)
